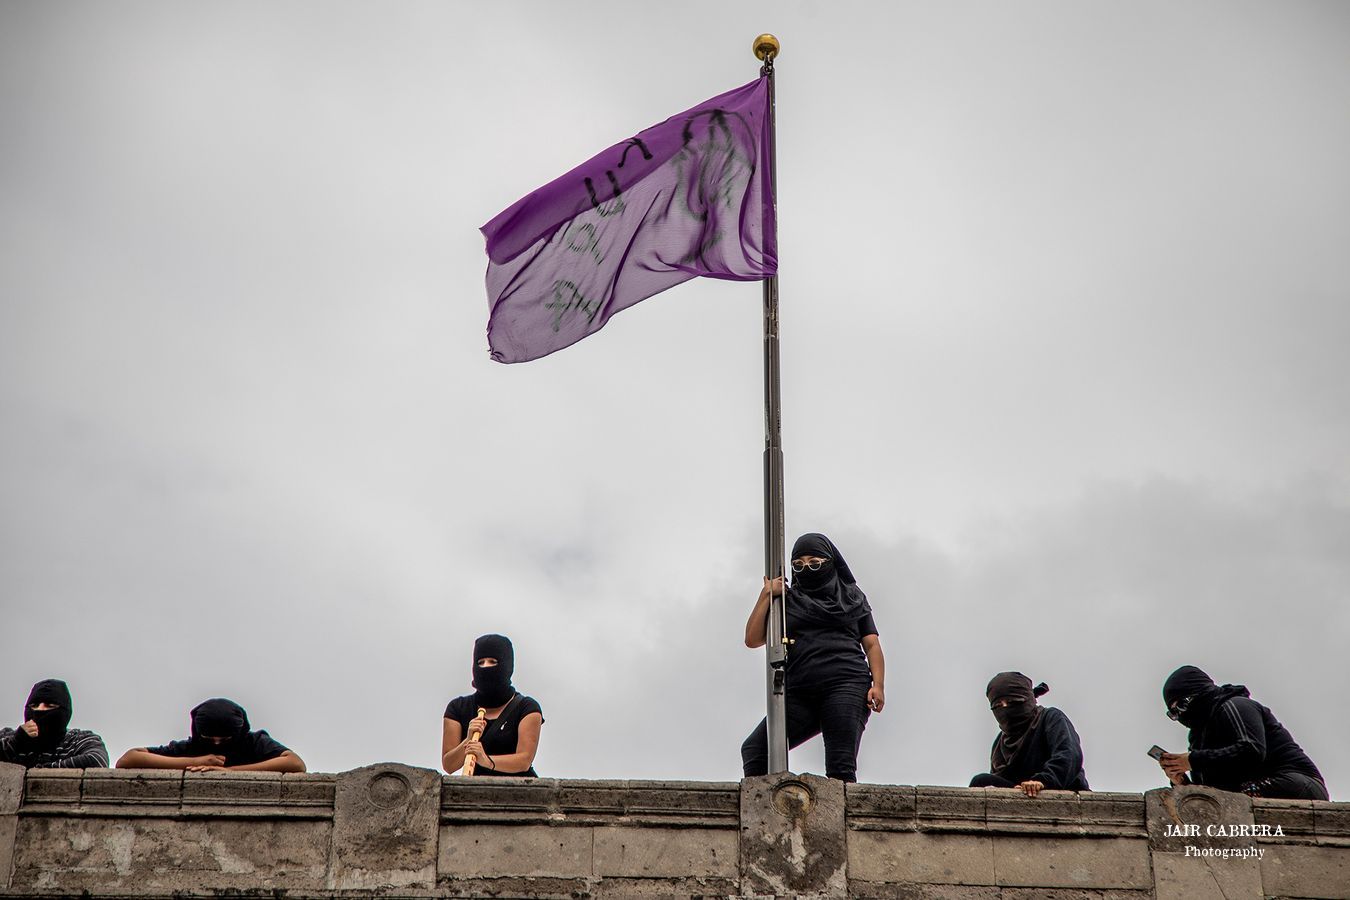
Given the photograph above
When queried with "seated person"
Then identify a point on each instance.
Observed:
(220, 739)
(1235, 743)
(43, 741)
(1036, 747)
(510, 726)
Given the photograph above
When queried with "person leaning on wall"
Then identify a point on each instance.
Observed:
(508, 730)
(44, 740)
(1036, 747)
(1235, 743)
(220, 739)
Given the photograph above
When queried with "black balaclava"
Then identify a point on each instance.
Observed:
(51, 723)
(830, 594)
(1018, 720)
(219, 718)
(492, 684)
(1188, 681)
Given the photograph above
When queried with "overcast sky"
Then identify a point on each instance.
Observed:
(1066, 307)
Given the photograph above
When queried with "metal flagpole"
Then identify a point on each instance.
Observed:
(766, 48)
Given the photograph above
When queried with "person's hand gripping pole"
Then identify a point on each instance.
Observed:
(475, 732)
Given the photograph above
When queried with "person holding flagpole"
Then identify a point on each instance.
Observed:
(836, 671)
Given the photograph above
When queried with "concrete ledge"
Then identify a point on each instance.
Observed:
(393, 830)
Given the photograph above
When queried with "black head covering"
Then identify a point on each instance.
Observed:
(51, 723)
(1188, 681)
(1017, 721)
(219, 717)
(830, 594)
(492, 684)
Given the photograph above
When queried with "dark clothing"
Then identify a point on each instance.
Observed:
(1050, 754)
(1240, 742)
(1289, 786)
(77, 750)
(987, 779)
(824, 653)
(493, 683)
(244, 750)
(503, 733)
(838, 713)
(51, 723)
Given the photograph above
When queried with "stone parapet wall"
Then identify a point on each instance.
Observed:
(392, 830)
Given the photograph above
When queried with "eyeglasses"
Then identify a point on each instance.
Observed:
(1178, 709)
(813, 564)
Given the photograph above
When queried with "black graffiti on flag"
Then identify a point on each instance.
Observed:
(567, 298)
(583, 238)
(614, 204)
(711, 171)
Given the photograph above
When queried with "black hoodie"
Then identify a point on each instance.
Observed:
(1233, 739)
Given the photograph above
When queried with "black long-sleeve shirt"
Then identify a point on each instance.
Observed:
(77, 750)
(1055, 757)
(1241, 741)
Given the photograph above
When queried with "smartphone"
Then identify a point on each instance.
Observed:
(1156, 752)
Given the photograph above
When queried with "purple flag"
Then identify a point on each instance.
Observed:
(690, 196)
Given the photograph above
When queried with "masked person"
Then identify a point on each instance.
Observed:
(45, 740)
(220, 739)
(836, 672)
(1236, 744)
(509, 727)
(1037, 747)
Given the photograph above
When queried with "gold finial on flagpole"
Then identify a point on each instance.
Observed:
(766, 47)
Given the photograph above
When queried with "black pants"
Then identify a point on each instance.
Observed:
(986, 779)
(1288, 786)
(837, 713)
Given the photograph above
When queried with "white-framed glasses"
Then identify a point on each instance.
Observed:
(812, 564)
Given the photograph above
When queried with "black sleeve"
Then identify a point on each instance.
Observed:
(172, 748)
(265, 747)
(867, 625)
(1066, 752)
(530, 705)
(8, 751)
(87, 752)
(455, 710)
(1241, 738)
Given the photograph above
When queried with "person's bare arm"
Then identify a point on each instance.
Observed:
(452, 746)
(288, 761)
(527, 745)
(140, 758)
(876, 661)
(756, 627)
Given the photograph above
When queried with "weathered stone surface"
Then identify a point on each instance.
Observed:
(890, 891)
(1038, 893)
(793, 836)
(1058, 862)
(1294, 817)
(1304, 871)
(886, 807)
(1179, 809)
(1009, 811)
(950, 809)
(1105, 813)
(8, 828)
(313, 791)
(1332, 820)
(143, 855)
(664, 888)
(651, 852)
(919, 857)
(60, 786)
(385, 820)
(137, 791)
(1180, 877)
(556, 851)
(211, 792)
(11, 788)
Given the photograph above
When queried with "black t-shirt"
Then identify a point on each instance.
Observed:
(253, 747)
(826, 654)
(503, 732)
